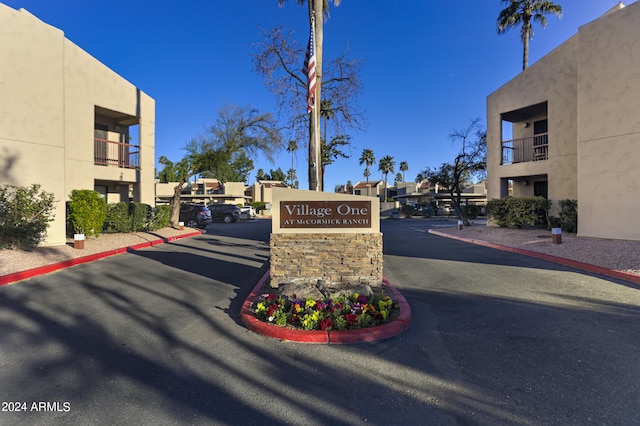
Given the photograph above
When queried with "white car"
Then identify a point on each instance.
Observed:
(247, 212)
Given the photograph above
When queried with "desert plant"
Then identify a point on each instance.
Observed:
(25, 213)
(87, 211)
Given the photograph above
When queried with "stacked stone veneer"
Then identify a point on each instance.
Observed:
(337, 258)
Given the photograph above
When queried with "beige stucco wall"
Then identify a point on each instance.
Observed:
(609, 125)
(592, 85)
(49, 89)
(553, 79)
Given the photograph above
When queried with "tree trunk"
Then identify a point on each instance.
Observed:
(175, 205)
(525, 54)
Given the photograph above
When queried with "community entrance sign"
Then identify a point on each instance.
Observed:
(325, 237)
(325, 214)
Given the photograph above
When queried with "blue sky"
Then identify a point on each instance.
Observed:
(429, 64)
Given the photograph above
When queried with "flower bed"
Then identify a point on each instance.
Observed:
(342, 313)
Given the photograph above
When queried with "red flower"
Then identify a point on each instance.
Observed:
(326, 323)
(272, 309)
(351, 319)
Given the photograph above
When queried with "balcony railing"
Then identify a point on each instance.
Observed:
(116, 154)
(534, 148)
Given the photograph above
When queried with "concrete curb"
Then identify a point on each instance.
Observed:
(327, 337)
(560, 260)
(41, 270)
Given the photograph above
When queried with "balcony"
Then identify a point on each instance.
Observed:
(116, 154)
(534, 148)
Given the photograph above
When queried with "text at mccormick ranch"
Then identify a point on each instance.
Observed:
(325, 214)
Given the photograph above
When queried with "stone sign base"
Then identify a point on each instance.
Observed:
(344, 258)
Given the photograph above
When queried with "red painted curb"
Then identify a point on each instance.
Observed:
(560, 260)
(326, 337)
(41, 270)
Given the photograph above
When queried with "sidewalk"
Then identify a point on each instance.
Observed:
(19, 265)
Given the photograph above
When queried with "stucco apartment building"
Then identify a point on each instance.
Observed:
(69, 122)
(568, 127)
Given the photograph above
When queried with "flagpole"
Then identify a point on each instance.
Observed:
(313, 104)
(316, 131)
(315, 116)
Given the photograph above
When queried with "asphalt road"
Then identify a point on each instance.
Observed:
(154, 337)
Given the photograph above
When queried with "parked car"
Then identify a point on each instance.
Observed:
(194, 215)
(225, 212)
(443, 211)
(247, 212)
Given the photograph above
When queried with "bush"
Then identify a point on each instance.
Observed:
(258, 205)
(25, 213)
(117, 219)
(471, 211)
(159, 217)
(568, 215)
(86, 211)
(555, 222)
(407, 211)
(134, 217)
(139, 214)
(516, 212)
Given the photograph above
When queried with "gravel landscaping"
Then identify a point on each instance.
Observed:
(12, 261)
(620, 255)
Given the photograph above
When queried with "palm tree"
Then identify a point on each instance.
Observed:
(386, 166)
(523, 12)
(293, 178)
(404, 166)
(368, 159)
(399, 178)
(326, 113)
(292, 148)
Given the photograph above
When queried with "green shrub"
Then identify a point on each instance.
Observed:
(258, 205)
(159, 217)
(117, 219)
(555, 222)
(139, 214)
(25, 213)
(135, 217)
(407, 211)
(86, 211)
(568, 215)
(471, 211)
(428, 210)
(517, 212)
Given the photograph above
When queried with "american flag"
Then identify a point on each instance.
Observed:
(309, 68)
